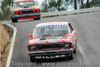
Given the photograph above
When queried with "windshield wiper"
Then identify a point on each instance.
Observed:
(60, 34)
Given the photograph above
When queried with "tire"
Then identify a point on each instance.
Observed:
(37, 18)
(74, 50)
(14, 20)
(71, 56)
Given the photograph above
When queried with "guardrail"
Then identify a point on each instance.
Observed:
(62, 13)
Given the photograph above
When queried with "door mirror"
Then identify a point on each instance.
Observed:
(75, 31)
(30, 35)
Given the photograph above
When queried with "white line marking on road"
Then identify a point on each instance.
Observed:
(79, 47)
(12, 45)
(82, 52)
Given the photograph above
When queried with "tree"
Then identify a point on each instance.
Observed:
(52, 5)
(95, 3)
(59, 3)
(44, 6)
(56, 5)
(88, 5)
(82, 6)
(67, 3)
(75, 4)
(5, 9)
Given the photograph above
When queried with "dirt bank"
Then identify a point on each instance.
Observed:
(5, 38)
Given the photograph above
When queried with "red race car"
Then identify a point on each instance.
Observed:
(52, 40)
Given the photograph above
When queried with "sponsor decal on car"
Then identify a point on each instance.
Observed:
(49, 57)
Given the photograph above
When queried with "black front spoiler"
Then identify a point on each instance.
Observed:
(50, 55)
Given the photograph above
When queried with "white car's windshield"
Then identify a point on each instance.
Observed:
(24, 5)
(50, 31)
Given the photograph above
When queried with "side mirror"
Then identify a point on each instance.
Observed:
(75, 31)
(30, 35)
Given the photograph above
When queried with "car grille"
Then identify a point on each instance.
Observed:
(49, 46)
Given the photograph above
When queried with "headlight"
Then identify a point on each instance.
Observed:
(31, 47)
(68, 45)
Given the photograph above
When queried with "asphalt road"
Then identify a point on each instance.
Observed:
(88, 49)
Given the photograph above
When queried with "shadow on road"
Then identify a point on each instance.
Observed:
(51, 60)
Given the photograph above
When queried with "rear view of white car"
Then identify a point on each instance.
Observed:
(24, 9)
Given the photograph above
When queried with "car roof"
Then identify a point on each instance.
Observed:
(18, 0)
(21, 0)
(52, 23)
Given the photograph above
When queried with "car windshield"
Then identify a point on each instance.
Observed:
(50, 31)
(24, 5)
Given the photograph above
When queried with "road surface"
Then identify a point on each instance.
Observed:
(88, 49)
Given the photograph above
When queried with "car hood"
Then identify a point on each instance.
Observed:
(50, 39)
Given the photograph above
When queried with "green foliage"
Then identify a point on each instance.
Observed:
(52, 3)
(56, 5)
(44, 6)
(4, 15)
(95, 3)
(66, 0)
(59, 3)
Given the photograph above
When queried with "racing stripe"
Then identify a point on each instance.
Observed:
(33, 38)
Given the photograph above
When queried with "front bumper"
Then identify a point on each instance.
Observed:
(50, 55)
(36, 15)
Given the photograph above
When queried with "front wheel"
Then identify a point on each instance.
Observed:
(71, 56)
(74, 50)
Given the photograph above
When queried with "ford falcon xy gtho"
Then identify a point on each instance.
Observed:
(24, 9)
(52, 40)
